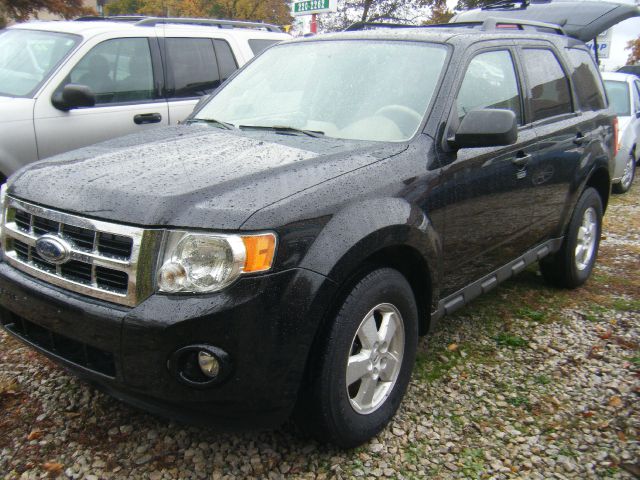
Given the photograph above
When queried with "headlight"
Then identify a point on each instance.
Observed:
(199, 263)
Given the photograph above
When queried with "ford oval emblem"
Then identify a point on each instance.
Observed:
(53, 249)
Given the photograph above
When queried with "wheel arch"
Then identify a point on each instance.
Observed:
(601, 182)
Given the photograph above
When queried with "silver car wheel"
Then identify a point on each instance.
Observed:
(627, 176)
(586, 242)
(375, 358)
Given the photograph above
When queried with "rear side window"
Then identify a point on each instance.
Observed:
(192, 66)
(618, 93)
(548, 84)
(586, 80)
(490, 82)
(259, 44)
(226, 61)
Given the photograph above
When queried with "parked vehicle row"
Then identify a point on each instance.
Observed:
(127, 74)
(279, 254)
(624, 94)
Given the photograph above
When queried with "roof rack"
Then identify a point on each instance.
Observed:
(490, 24)
(114, 18)
(143, 21)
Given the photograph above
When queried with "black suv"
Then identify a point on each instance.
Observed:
(282, 252)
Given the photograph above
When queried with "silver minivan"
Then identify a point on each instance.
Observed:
(68, 84)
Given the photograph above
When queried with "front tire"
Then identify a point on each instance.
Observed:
(365, 363)
(625, 182)
(572, 265)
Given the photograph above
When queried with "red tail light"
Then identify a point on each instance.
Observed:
(615, 136)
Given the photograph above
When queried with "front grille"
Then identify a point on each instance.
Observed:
(103, 259)
(71, 350)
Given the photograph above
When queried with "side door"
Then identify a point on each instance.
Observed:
(564, 134)
(488, 207)
(194, 67)
(126, 82)
(635, 120)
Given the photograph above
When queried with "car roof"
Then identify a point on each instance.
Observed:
(89, 29)
(437, 34)
(618, 76)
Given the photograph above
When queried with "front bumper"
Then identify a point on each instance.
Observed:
(265, 323)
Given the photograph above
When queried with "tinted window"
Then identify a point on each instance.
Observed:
(117, 71)
(549, 87)
(618, 93)
(636, 96)
(192, 66)
(490, 82)
(226, 61)
(259, 44)
(586, 80)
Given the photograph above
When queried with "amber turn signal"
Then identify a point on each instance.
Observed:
(260, 252)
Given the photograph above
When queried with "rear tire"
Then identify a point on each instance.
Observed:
(365, 362)
(629, 174)
(572, 265)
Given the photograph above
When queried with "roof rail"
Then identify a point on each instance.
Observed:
(114, 18)
(144, 21)
(371, 25)
(209, 22)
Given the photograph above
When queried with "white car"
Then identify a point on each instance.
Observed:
(67, 84)
(623, 91)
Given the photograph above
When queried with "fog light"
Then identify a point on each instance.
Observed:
(208, 364)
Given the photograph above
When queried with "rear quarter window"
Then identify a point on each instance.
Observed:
(548, 84)
(259, 44)
(586, 80)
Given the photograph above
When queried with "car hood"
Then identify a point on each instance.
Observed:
(189, 176)
(15, 109)
(583, 20)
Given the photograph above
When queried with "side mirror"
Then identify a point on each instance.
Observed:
(73, 95)
(486, 128)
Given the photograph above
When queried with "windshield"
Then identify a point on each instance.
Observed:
(343, 89)
(28, 56)
(618, 93)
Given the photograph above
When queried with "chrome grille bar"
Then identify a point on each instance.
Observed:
(105, 270)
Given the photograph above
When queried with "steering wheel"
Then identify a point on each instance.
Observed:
(407, 119)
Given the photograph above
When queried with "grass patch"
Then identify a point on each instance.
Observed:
(542, 380)
(626, 305)
(519, 402)
(535, 315)
(509, 340)
(473, 462)
(431, 368)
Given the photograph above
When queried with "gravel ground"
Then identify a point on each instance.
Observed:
(527, 382)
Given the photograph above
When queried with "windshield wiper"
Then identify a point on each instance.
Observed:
(213, 121)
(283, 129)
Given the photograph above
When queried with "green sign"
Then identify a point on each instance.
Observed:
(311, 6)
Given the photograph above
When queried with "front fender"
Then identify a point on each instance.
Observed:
(362, 229)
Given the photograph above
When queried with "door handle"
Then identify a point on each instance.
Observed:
(521, 159)
(580, 139)
(143, 118)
